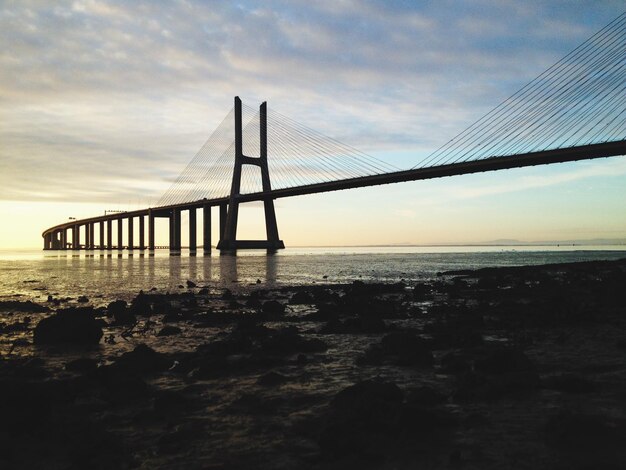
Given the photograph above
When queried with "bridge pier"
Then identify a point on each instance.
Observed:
(206, 229)
(228, 240)
(101, 241)
(175, 232)
(75, 242)
(131, 244)
(120, 238)
(109, 245)
(150, 230)
(193, 242)
(142, 233)
(87, 236)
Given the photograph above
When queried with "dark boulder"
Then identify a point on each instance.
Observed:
(370, 419)
(83, 365)
(141, 360)
(17, 306)
(120, 313)
(169, 330)
(272, 379)
(302, 297)
(408, 349)
(72, 326)
(273, 309)
(142, 305)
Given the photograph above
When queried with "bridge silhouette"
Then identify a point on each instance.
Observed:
(575, 110)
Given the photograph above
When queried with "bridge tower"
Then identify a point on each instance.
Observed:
(228, 237)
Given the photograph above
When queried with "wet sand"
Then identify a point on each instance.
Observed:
(495, 368)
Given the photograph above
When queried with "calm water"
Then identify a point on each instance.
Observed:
(103, 276)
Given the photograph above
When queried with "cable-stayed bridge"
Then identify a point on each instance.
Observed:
(573, 111)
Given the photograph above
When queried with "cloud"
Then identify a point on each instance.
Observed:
(106, 101)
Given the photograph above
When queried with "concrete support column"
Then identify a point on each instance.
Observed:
(223, 217)
(150, 230)
(64, 239)
(206, 230)
(142, 233)
(87, 236)
(47, 241)
(177, 227)
(193, 242)
(175, 230)
(131, 242)
(101, 244)
(120, 237)
(109, 234)
(76, 237)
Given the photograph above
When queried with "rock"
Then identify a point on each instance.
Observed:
(302, 297)
(71, 326)
(408, 348)
(422, 291)
(173, 317)
(122, 315)
(83, 365)
(363, 396)
(271, 379)
(404, 349)
(142, 360)
(169, 401)
(82, 299)
(362, 419)
(169, 330)
(142, 306)
(273, 309)
(17, 306)
(191, 284)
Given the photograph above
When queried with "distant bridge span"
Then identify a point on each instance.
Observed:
(56, 237)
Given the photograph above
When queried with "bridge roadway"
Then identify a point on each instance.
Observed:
(57, 237)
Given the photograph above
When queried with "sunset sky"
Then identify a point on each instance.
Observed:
(102, 105)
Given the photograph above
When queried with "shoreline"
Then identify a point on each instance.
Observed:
(512, 367)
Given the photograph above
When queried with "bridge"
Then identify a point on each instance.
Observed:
(575, 110)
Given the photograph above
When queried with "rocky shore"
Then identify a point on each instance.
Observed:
(497, 368)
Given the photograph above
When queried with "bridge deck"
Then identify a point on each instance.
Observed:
(586, 152)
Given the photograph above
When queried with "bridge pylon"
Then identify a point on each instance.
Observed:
(228, 237)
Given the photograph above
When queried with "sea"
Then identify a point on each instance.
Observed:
(103, 276)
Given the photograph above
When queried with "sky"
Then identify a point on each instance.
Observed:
(103, 104)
